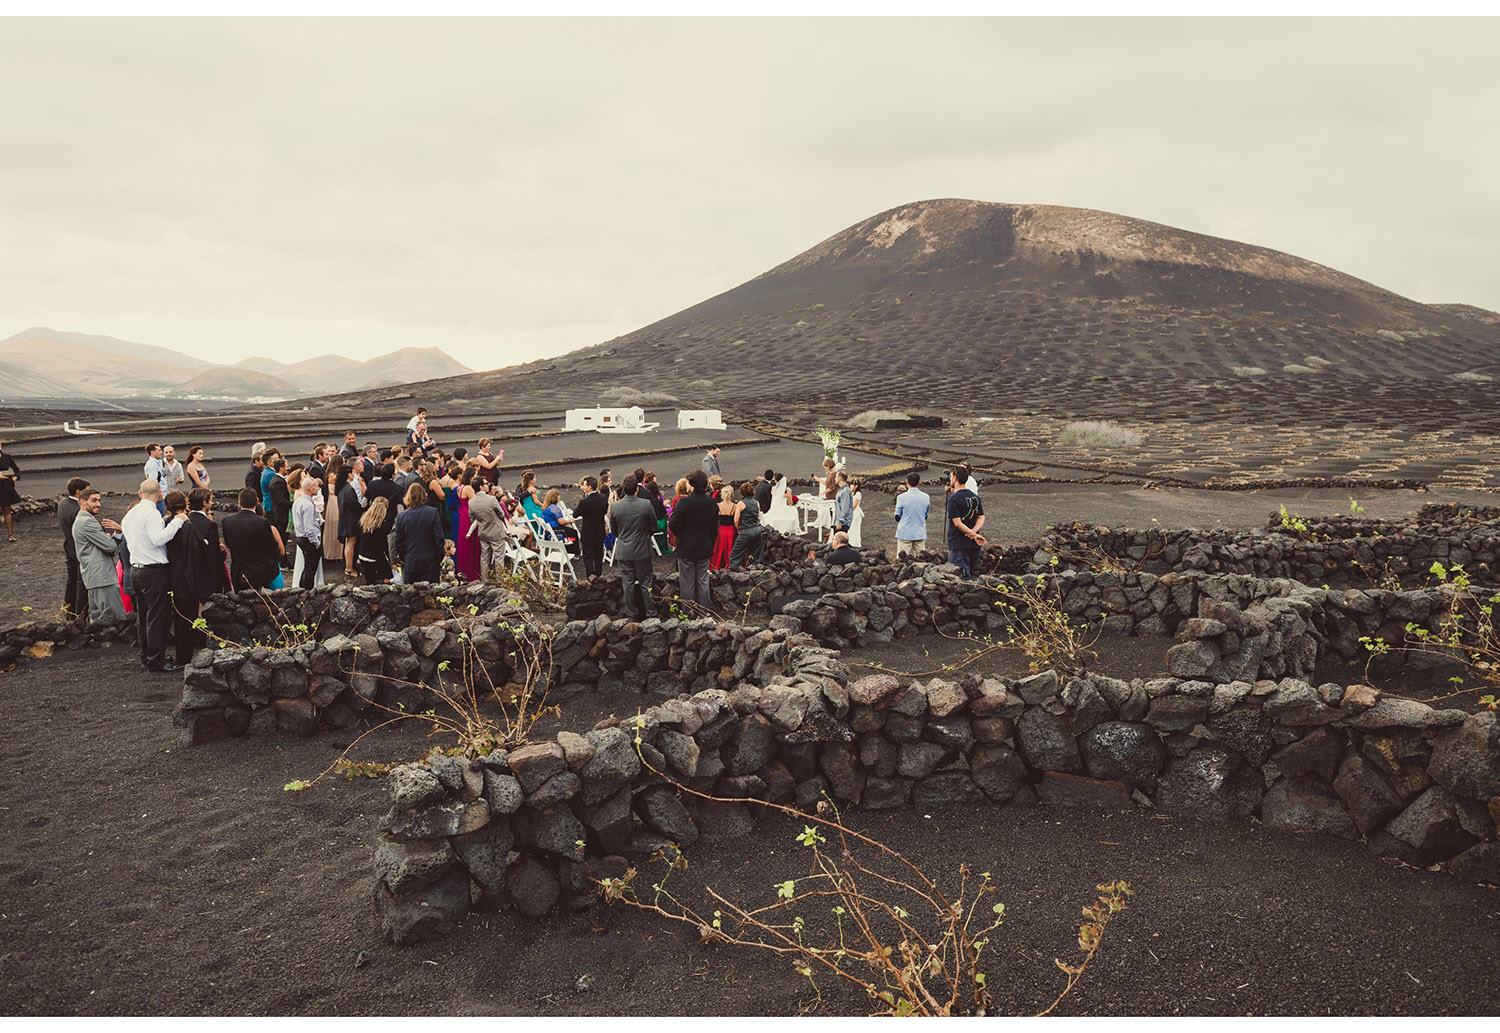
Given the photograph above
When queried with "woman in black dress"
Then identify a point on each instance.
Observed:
(351, 509)
(8, 494)
(374, 551)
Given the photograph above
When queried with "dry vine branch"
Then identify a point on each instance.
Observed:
(475, 732)
(917, 976)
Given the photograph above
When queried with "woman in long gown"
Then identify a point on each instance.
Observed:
(450, 502)
(724, 544)
(333, 549)
(466, 558)
(782, 515)
(855, 537)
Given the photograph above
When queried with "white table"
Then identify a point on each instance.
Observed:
(814, 514)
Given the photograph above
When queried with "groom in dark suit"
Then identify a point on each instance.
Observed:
(75, 596)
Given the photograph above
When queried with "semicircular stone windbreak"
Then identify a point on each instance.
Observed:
(534, 828)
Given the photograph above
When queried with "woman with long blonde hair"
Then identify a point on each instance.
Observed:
(374, 551)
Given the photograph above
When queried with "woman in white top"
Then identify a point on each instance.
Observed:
(857, 519)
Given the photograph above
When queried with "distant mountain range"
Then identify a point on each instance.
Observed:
(45, 363)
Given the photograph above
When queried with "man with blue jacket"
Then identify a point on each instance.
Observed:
(912, 507)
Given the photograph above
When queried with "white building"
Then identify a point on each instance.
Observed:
(706, 419)
(609, 421)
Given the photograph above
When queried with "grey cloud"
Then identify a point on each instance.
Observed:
(528, 180)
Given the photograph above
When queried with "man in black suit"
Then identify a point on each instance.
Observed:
(281, 500)
(75, 596)
(383, 486)
(317, 462)
(695, 522)
(590, 515)
(254, 554)
(419, 543)
(252, 476)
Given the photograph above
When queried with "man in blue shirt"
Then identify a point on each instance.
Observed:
(912, 507)
(156, 470)
(965, 518)
(843, 504)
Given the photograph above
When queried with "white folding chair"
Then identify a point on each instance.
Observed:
(555, 557)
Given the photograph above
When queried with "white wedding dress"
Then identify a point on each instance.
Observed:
(782, 516)
(855, 522)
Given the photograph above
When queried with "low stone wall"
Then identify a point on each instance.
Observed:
(249, 617)
(530, 829)
(756, 587)
(329, 683)
(1338, 552)
(35, 640)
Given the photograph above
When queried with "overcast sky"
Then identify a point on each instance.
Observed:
(507, 189)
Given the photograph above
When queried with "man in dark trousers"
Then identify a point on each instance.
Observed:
(695, 522)
(965, 518)
(590, 514)
(75, 596)
(419, 543)
(254, 554)
(147, 535)
(281, 503)
(634, 520)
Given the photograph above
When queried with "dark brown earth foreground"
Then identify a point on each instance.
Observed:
(140, 878)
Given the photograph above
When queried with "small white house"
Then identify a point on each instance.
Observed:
(705, 419)
(609, 421)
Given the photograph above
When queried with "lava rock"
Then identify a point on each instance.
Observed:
(1123, 751)
(1046, 742)
(1209, 782)
(1305, 802)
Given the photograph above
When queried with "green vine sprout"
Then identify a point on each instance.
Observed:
(1464, 630)
(469, 707)
(923, 964)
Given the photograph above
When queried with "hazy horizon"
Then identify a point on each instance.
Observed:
(508, 189)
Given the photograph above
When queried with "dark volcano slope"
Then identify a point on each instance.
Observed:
(978, 307)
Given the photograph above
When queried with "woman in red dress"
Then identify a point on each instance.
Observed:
(724, 544)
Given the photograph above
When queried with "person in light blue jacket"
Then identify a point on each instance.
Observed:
(912, 507)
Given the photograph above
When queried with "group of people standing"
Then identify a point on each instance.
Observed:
(413, 507)
(161, 561)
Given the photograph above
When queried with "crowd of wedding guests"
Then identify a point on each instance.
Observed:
(416, 513)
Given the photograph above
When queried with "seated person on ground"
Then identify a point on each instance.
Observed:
(839, 553)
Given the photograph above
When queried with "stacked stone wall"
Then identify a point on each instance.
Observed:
(532, 828)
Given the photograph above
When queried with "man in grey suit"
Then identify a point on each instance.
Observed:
(634, 521)
(711, 463)
(96, 549)
(488, 525)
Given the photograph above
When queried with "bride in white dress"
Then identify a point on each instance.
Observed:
(782, 516)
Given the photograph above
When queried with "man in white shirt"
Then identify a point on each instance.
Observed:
(306, 516)
(147, 536)
(172, 469)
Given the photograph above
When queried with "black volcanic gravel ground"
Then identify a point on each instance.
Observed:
(138, 877)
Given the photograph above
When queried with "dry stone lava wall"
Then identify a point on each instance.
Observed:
(530, 829)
